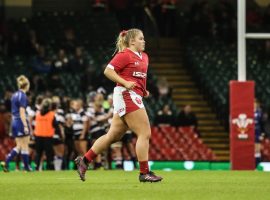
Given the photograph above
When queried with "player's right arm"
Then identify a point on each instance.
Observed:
(118, 63)
(112, 75)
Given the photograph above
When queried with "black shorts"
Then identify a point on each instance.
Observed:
(57, 141)
(257, 138)
(127, 138)
(68, 137)
(32, 143)
(77, 137)
(97, 134)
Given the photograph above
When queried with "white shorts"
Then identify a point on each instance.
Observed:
(126, 101)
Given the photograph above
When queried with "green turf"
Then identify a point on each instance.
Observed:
(101, 185)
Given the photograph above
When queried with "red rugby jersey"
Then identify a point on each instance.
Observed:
(131, 67)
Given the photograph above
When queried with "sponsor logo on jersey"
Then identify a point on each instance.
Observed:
(139, 74)
(136, 63)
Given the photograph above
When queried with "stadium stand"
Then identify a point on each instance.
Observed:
(178, 143)
(215, 64)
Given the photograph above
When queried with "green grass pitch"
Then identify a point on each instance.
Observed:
(102, 185)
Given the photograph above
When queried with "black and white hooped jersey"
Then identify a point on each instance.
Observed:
(78, 119)
(60, 120)
(94, 116)
(60, 116)
(31, 112)
(109, 122)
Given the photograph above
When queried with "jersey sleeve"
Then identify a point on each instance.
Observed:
(30, 112)
(23, 100)
(119, 61)
(60, 118)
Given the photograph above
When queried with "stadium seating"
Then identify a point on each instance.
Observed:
(214, 64)
(171, 143)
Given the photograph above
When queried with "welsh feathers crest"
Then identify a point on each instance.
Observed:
(242, 123)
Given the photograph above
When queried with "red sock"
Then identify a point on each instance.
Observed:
(90, 155)
(144, 169)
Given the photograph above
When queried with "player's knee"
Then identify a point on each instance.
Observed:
(146, 131)
(24, 148)
(145, 134)
(19, 148)
(148, 135)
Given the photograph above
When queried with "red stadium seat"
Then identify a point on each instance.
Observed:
(154, 130)
(185, 129)
(168, 129)
(169, 143)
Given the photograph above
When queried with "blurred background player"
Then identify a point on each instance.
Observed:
(59, 134)
(99, 119)
(258, 121)
(123, 150)
(32, 111)
(79, 121)
(129, 146)
(20, 125)
(129, 70)
(69, 141)
(115, 148)
(44, 130)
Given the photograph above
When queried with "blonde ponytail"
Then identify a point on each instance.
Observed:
(124, 38)
(22, 82)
